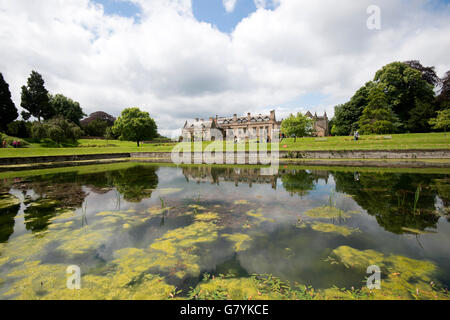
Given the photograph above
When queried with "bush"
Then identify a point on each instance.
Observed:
(57, 129)
(20, 129)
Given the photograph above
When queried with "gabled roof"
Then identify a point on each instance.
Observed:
(200, 124)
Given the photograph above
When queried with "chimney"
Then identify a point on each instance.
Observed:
(211, 119)
(272, 115)
(235, 117)
(196, 119)
(249, 116)
(201, 120)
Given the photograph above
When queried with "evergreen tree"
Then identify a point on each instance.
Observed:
(8, 111)
(378, 117)
(35, 99)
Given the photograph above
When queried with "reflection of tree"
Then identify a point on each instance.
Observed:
(390, 198)
(298, 182)
(7, 214)
(38, 214)
(136, 183)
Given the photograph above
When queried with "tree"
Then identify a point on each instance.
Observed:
(135, 125)
(67, 108)
(35, 99)
(298, 125)
(406, 90)
(57, 129)
(378, 116)
(96, 128)
(8, 111)
(346, 116)
(19, 128)
(109, 135)
(443, 98)
(428, 73)
(442, 121)
(99, 115)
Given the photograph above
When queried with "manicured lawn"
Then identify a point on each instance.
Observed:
(375, 142)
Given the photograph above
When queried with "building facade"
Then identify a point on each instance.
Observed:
(321, 126)
(260, 127)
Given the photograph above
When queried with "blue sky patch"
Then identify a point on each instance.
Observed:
(121, 8)
(213, 12)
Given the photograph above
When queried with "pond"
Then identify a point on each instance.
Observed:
(148, 231)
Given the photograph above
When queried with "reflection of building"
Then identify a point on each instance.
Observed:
(247, 127)
(321, 124)
(237, 175)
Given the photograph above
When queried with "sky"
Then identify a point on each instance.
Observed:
(183, 59)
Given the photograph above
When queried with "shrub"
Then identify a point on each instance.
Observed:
(20, 129)
(57, 129)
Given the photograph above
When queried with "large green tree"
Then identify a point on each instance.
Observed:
(135, 125)
(378, 117)
(8, 111)
(346, 116)
(443, 98)
(298, 125)
(411, 97)
(67, 108)
(35, 99)
(428, 73)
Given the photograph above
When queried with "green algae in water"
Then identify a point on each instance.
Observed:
(241, 240)
(258, 215)
(327, 212)
(208, 216)
(8, 201)
(406, 278)
(49, 282)
(331, 228)
(166, 191)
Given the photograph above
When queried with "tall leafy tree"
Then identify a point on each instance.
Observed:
(408, 94)
(298, 125)
(35, 99)
(8, 111)
(67, 108)
(378, 116)
(443, 98)
(346, 116)
(428, 73)
(135, 125)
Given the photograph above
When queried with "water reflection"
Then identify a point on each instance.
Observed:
(181, 222)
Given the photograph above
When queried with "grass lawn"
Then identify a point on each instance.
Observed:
(373, 142)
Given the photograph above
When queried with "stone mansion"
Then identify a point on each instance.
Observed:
(234, 128)
(258, 127)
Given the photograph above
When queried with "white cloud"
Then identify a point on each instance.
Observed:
(229, 5)
(176, 68)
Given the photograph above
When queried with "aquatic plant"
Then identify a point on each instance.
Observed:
(406, 278)
(327, 212)
(416, 198)
(241, 240)
(332, 228)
